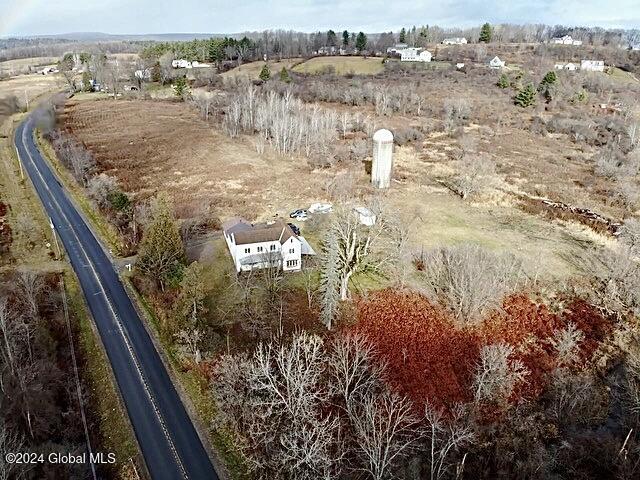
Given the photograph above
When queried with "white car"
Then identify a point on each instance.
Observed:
(320, 208)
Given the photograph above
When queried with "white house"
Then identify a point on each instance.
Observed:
(495, 62)
(566, 40)
(459, 65)
(397, 48)
(414, 54)
(592, 65)
(181, 63)
(261, 245)
(566, 66)
(454, 41)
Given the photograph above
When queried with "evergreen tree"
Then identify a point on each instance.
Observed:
(190, 303)
(284, 76)
(216, 51)
(403, 36)
(332, 38)
(503, 81)
(181, 87)
(161, 252)
(86, 81)
(549, 79)
(265, 73)
(361, 42)
(156, 72)
(486, 32)
(345, 38)
(526, 97)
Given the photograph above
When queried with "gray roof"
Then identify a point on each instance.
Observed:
(245, 233)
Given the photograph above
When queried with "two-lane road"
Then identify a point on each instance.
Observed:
(169, 442)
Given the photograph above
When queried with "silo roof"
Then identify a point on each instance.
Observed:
(383, 135)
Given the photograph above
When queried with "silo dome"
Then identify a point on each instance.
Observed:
(381, 168)
(383, 135)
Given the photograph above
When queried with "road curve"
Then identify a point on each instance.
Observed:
(168, 440)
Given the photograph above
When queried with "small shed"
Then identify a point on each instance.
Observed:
(365, 216)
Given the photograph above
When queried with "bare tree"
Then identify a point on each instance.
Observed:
(385, 431)
(9, 443)
(475, 173)
(191, 338)
(566, 342)
(497, 374)
(446, 435)
(30, 287)
(469, 280)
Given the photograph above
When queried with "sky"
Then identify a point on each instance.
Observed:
(44, 17)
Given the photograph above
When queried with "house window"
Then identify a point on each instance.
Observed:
(272, 247)
(292, 250)
(292, 263)
(259, 249)
(247, 250)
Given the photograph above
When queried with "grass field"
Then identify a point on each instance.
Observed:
(29, 87)
(23, 65)
(341, 65)
(252, 69)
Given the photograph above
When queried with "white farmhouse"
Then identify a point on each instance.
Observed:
(495, 62)
(592, 65)
(262, 245)
(181, 63)
(414, 54)
(566, 66)
(396, 49)
(455, 41)
(566, 40)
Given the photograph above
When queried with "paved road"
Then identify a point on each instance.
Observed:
(167, 437)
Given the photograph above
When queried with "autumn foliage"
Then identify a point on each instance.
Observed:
(429, 358)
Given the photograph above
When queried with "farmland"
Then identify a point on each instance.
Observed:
(341, 65)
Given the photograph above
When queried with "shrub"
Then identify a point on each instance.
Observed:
(503, 81)
(526, 97)
(468, 280)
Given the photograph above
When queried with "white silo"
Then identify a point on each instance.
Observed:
(382, 158)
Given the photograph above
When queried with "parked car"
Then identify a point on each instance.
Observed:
(300, 214)
(321, 208)
(294, 228)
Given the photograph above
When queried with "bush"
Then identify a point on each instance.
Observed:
(468, 280)
(402, 136)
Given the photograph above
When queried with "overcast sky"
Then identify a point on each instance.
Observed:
(32, 17)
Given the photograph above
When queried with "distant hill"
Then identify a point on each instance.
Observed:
(106, 37)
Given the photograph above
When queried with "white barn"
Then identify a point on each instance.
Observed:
(414, 54)
(566, 40)
(397, 48)
(592, 65)
(181, 63)
(455, 41)
(566, 66)
(262, 245)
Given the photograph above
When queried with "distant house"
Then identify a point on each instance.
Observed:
(397, 48)
(495, 62)
(326, 51)
(635, 47)
(459, 66)
(197, 64)
(181, 63)
(455, 41)
(566, 66)
(592, 65)
(262, 245)
(414, 54)
(566, 40)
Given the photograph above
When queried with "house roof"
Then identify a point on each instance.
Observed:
(245, 233)
(235, 225)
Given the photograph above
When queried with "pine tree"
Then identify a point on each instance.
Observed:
(361, 42)
(181, 87)
(161, 252)
(549, 79)
(526, 97)
(345, 38)
(486, 32)
(86, 81)
(284, 76)
(265, 73)
(403, 36)
(190, 303)
(503, 81)
(156, 72)
(332, 38)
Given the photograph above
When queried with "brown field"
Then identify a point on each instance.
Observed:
(30, 86)
(252, 69)
(24, 65)
(152, 146)
(341, 65)
(156, 146)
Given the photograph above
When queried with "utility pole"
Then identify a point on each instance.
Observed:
(20, 164)
(26, 98)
